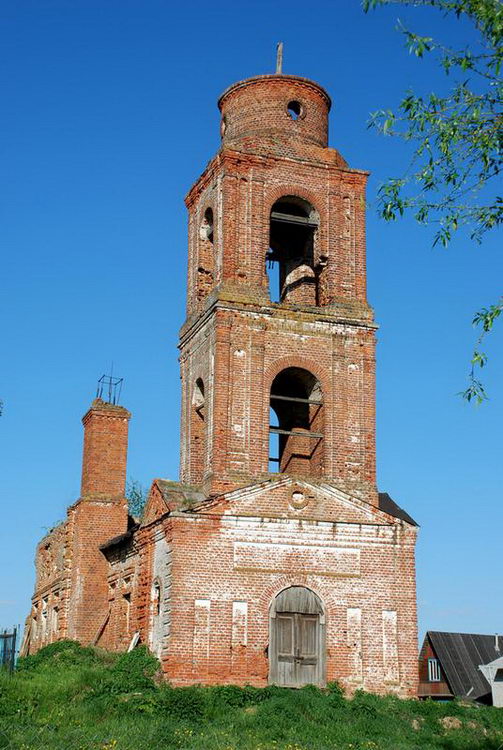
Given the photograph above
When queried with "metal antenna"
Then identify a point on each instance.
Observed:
(279, 57)
(110, 386)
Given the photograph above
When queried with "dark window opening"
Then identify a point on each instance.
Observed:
(296, 434)
(205, 267)
(290, 259)
(198, 399)
(156, 598)
(294, 109)
(208, 224)
(198, 430)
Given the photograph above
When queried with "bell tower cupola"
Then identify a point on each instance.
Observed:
(277, 351)
(259, 110)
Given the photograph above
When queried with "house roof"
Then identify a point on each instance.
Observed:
(460, 655)
(387, 505)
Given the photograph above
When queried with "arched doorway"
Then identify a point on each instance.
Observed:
(297, 638)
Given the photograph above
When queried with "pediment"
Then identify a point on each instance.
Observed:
(166, 496)
(156, 505)
(298, 498)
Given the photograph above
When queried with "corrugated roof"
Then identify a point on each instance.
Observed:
(460, 655)
(389, 506)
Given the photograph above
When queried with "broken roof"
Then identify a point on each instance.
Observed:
(185, 494)
(460, 655)
(387, 505)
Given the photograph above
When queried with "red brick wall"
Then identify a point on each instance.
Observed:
(257, 109)
(235, 339)
(208, 580)
(105, 450)
(238, 355)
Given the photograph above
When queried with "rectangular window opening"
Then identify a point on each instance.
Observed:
(433, 670)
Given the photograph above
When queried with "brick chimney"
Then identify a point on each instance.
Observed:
(100, 514)
(105, 450)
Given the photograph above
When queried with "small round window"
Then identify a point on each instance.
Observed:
(295, 110)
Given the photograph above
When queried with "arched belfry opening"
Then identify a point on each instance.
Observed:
(290, 258)
(297, 638)
(296, 442)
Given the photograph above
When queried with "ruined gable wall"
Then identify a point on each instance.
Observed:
(48, 618)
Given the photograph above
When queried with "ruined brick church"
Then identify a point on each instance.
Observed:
(274, 559)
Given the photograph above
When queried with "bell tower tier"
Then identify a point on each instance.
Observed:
(278, 348)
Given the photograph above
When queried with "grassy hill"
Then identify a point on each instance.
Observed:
(67, 697)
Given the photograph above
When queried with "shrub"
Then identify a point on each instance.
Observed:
(60, 656)
(131, 672)
(186, 703)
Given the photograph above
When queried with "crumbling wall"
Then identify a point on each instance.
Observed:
(47, 620)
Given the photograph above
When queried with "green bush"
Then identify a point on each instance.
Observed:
(135, 669)
(62, 655)
(185, 703)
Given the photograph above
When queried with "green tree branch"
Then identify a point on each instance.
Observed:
(458, 143)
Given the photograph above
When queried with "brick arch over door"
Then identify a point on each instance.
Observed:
(323, 378)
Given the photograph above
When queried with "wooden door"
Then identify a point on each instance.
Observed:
(296, 649)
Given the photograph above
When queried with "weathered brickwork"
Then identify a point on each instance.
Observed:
(254, 567)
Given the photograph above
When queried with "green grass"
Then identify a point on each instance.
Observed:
(67, 697)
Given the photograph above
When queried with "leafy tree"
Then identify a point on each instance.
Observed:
(458, 141)
(136, 495)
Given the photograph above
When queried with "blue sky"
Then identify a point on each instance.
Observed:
(109, 115)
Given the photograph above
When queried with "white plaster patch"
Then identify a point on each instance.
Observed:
(354, 642)
(239, 624)
(329, 561)
(201, 643)
(390, 645)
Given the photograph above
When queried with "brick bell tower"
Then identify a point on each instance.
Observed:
(278, 348)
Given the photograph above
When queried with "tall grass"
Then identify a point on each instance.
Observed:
(67, 697)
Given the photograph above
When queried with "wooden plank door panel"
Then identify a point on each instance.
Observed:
(307, 639)
(285, 647)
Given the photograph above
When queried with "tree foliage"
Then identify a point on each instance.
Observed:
(451, 181)
(136, 495)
